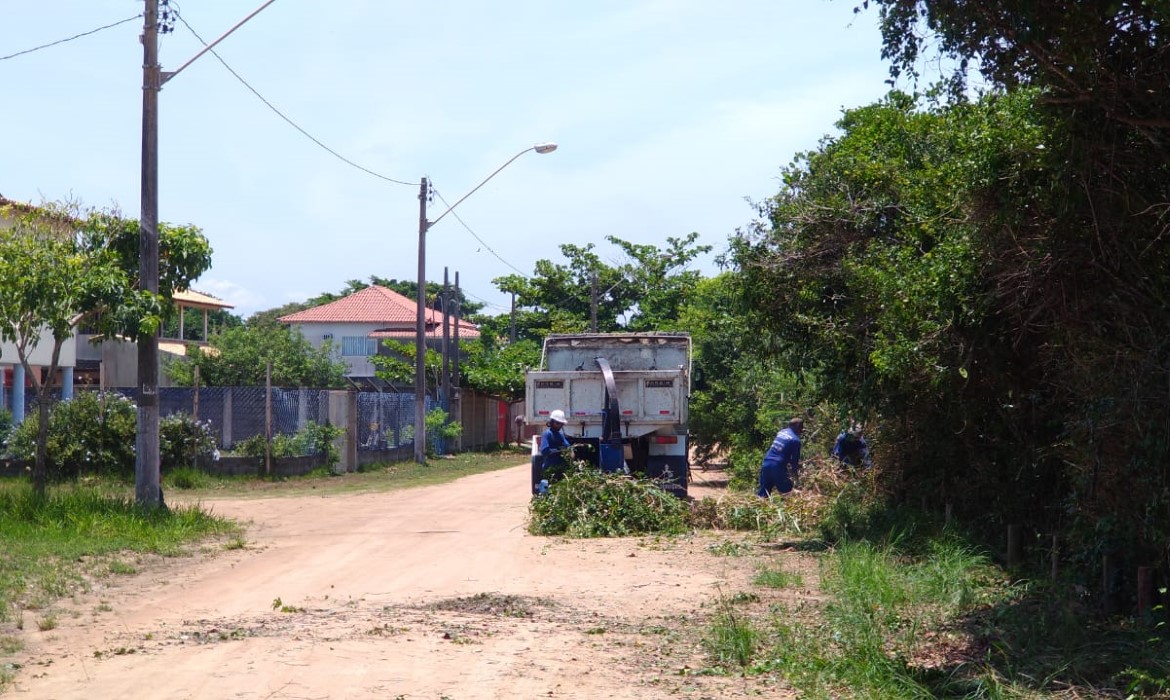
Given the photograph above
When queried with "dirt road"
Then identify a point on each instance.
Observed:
(429, 593)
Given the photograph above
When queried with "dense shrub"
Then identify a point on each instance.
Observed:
(589, 503)
(437, 425)
(185, 441)
(93, 433)
(313, 439)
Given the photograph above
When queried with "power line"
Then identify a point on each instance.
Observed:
(290, 122)
(482, 242)
(75, 36)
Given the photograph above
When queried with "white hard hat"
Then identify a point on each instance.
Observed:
(559, 416)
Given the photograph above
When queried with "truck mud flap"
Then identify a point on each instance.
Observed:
(673, 471)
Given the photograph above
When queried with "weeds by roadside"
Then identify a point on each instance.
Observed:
(50, 547)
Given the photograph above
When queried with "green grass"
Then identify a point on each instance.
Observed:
(371, 478)
(731, 638)
(52, 547)
(775, 576)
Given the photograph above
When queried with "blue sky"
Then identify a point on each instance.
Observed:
(669, 115)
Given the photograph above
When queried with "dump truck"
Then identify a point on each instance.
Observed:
(624, 396)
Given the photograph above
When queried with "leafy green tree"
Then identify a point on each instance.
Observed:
(642, 293)
(1078, 269)
(50, 278)
(240, 356)
(398, 368)
(498, 369)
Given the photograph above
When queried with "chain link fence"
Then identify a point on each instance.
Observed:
(385, 419)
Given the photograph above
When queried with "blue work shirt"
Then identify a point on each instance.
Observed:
(785, 451)
(551, 441)
(851, 449)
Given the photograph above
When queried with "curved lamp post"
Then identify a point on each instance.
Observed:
(420, 342)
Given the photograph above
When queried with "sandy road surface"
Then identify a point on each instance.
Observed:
(434, 593)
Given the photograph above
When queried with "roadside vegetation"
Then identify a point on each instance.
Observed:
(55, 546)
(902, 604)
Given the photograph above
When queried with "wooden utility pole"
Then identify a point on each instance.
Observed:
(147, 491)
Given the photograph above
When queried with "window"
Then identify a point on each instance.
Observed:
(358, 346)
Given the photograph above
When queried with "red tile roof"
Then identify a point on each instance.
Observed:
(375, 304)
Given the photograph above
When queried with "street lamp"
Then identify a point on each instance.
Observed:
(420, 343)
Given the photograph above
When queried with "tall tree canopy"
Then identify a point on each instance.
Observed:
(60, 267)
(240, 356)
(645, 291)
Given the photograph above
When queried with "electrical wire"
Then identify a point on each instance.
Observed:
(75, 36)
(290, 122)
(476, 235)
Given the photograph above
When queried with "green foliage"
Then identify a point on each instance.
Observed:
(437, 425)
(777, 577)
(731, 640)
(646, 292)
(497, 369)
(398, 367)
(92, 434)
(239, 356)
(54, 543)
(188, 478)
(184, 441)
(589, 503)
(312, 439)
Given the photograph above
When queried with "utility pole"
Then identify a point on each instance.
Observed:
(512, 334)
(593, 303)
(420, 341)
(446, 344)
(455, 355)
(147, 491)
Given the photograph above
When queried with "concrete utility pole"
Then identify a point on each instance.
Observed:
(420, 340)
(147, 491)
(593, 302)
(446, 344)
(512, 334)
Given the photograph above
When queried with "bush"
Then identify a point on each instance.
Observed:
(589, 503)
(184, 441)
(313, 439)
(437, 425)
(185, 478)
(93, 433)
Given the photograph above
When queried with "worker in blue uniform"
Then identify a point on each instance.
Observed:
(554, 445)
(782, 461)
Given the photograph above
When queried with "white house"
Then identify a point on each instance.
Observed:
(356, 324)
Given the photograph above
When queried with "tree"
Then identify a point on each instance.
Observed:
(1080, 272)
(498, 369)
(397, 367)
(54, 272)
(642, 293)
(240, 356)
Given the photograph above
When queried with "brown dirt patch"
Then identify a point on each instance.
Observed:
(426, 593)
